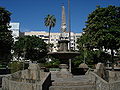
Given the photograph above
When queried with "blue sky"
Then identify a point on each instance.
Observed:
(30, 13)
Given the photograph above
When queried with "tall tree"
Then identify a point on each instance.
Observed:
(103, 29)
(50, 22)
(30, 47)
(6, 39)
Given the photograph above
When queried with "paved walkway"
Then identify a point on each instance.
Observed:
(79, 78)
(80, 82)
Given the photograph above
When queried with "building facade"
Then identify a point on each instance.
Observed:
(15, 28)
(54, 38)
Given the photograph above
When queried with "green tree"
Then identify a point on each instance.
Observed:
(90, 56)
(6, 39)
(15, 66)
(30, 47)
(102, 29)
(117, 57)
(50, 22)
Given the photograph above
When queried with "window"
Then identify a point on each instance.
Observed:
(46, 36)
(45, 39)
(77, 36)
(41, 35)
(52, 39)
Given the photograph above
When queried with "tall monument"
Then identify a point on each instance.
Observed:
(63, 25)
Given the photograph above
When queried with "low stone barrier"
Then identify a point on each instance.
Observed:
(114, 76)
(30, 79)
(14, 84)
(101, 84)
(114, 85)
(46, 82)
(1, 76)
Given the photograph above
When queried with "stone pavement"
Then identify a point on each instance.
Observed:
(75, 78)
(80, 82)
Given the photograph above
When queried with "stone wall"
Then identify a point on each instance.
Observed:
(46, 83)
(14, 84)
(114, 76)
(102, 84)
(114, 85)
(99, 82)
(1, 76)
(29, 79)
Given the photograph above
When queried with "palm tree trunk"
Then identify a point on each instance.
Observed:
(49, 35)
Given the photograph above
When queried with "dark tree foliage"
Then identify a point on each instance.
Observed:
(102, 29)
(50, 22)
(30, 47)
(4, 19)
(6, 39)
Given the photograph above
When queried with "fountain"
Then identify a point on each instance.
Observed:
(63, 53)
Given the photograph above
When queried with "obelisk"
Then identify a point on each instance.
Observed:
(63, 25)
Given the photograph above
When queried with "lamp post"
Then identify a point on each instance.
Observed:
(69, 30)
(24, 53)
(69, 25)
(84, 52)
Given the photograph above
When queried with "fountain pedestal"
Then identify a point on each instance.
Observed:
(63, 54)
(64, 73)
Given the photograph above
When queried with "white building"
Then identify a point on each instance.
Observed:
(15, 28)
(54, 38)
(77, 35)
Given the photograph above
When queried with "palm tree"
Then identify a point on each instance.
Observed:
(50, 22)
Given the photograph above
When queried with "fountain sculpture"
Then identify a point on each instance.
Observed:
(63, 53)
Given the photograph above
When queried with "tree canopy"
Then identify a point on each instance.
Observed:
(102, 29)
(4, 19)
(6, 39)
(50, 22)
(30, 47)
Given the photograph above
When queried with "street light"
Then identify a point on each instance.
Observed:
(84, 52)
(69, 30)
(69, 25)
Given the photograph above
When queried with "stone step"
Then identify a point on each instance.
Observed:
(85, 87)
(72, 83)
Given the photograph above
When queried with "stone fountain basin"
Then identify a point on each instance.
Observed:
(63, 55)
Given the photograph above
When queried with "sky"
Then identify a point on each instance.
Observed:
(31, 13)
